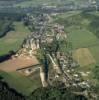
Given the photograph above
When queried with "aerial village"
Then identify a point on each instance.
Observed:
(55, 66)
(62, 64)
(45, 55)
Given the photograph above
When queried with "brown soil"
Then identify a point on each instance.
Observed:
(18, 63)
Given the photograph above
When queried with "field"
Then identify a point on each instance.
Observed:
(82, 38)
(83, 57)
(13, 39)
(22, 84)
(18, 63)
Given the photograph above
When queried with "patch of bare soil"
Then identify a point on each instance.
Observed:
(18, 63)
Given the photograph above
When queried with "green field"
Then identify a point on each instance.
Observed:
(82, 38)
(22, 84)
(85, 39)
(13, 39)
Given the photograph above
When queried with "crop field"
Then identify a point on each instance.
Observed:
(85, 39)
(82, 38)
(13, 39)
(84, 57)
(18, 63)
(22, 84)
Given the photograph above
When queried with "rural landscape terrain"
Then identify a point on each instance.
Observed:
(49, 49)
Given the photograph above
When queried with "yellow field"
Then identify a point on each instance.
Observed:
(83, 57)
